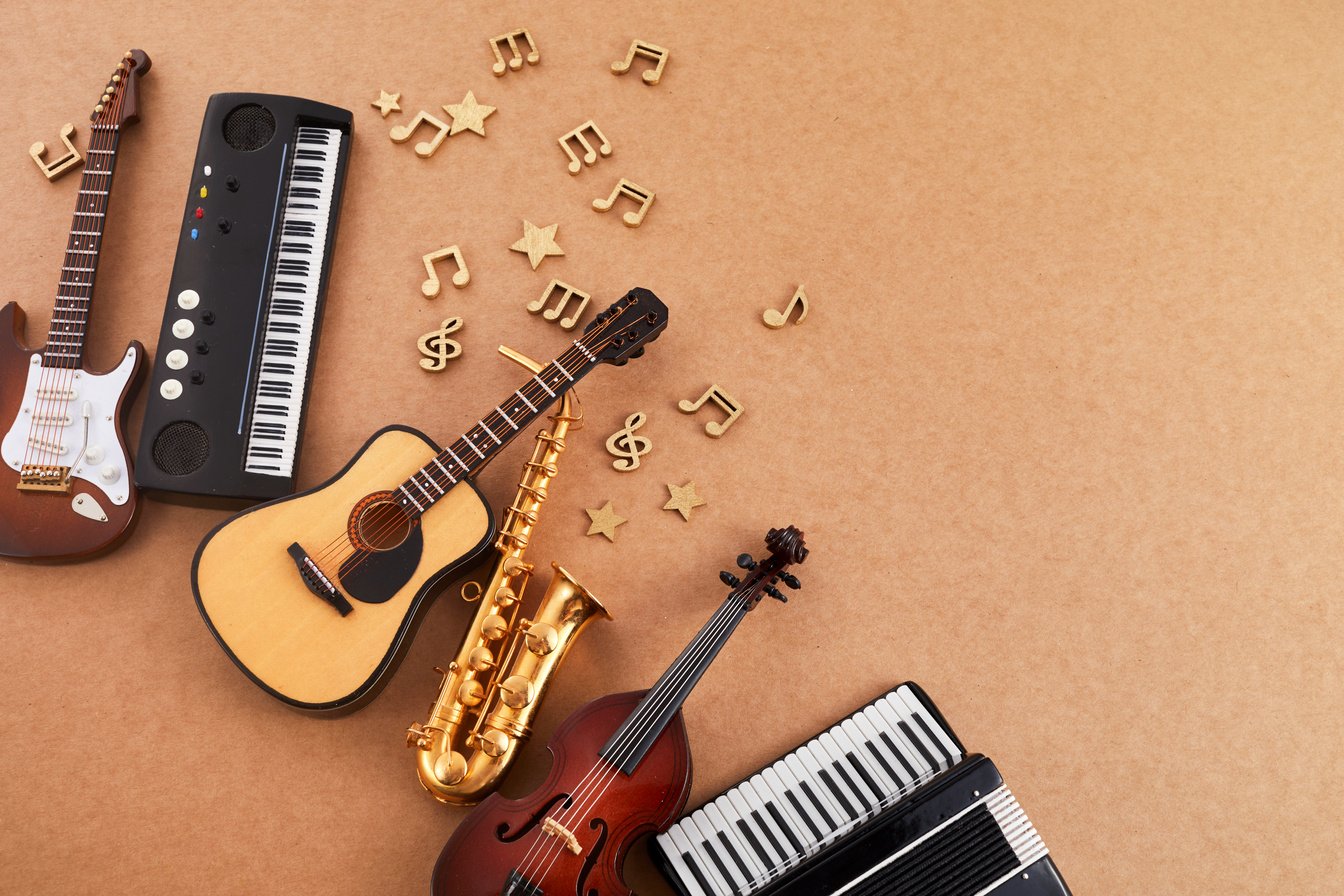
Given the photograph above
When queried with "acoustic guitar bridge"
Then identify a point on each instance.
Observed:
(317, 581)
(44, 478)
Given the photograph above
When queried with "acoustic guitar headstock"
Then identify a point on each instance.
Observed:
(626, 327)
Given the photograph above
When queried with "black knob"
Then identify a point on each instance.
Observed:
(791, 580)
(224, 225)
(197, 377)
(776, 594)
(746, 561)
(729, 579)
(208, 318)
(202, 347)
(231, 184)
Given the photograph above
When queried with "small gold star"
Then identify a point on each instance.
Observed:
(683, 499)
(469, 115)
(605, 521)
(387, 102)
(537, 242)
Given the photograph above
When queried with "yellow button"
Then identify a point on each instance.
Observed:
(203, 192)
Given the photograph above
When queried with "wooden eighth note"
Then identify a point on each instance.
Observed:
(726, 403)
(647, 51)
(566, 292)
(776, 319)
(430, 288)
(589, 154)
(56, 167)
(437, 348)
(516, 62)
(634, 191)
(402, 132)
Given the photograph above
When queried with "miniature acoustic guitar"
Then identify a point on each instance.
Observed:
(315, 596)
(621, 769)
(65, 484)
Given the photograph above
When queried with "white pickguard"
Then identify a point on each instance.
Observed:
(103, 463)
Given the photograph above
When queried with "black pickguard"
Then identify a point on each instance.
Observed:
(374, 576)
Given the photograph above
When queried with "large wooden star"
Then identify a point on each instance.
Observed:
(469, 115)
(684, 499)
(537, 242)
(605, 521)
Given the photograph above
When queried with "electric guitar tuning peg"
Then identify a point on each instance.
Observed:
(791, 580)
(729, 579)
(746, 561)
(776, 594)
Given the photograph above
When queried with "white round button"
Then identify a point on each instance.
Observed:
(170, 389)
(177, 359)
(94, 454)
(109, 473)
(183, 328)
(188, 299)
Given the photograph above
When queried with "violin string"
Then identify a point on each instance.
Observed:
(584, 795)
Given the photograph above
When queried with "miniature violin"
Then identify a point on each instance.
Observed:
(621, 769)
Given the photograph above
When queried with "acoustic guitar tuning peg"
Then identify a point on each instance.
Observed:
(791, 580)
(776, 594)
(729, 579)
(746, 561)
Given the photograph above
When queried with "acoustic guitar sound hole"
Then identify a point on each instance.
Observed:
(378, 524)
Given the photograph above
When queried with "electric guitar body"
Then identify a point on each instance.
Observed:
(92, 512)
(292, 642)
(66, 486)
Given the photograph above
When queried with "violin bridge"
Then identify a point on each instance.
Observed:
(556, 829)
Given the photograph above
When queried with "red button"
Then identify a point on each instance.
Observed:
(200, 212)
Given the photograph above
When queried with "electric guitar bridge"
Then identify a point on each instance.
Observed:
(44, 478)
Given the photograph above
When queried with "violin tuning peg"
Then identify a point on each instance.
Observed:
(729, 579)
(776, 594)
(791, 580)
(746, 561)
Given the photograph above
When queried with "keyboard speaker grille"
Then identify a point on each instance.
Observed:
(249, 127)
(181, 448)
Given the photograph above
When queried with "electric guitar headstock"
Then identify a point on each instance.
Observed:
(624, 329)
(120, 102)
(786, 548)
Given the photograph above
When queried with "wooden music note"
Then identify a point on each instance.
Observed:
(589, 154)
(437, 348)
(56, 167)
(726, 403)
(515, 63)
(430, 288)
(775, 319)
(634, 191)
(402, 132)
(566, 292)
(648, 51)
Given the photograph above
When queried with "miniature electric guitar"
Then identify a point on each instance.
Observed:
(65, 484)
(316, 596)
(621, 769)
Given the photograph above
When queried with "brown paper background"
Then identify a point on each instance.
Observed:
(1062, 426)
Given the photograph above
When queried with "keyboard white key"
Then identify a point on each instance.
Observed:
(287, 331)
(778, 818)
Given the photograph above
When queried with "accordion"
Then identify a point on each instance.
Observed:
(885, 802)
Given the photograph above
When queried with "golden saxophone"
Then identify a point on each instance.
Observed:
(483, 713)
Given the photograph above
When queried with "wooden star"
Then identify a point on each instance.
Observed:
(605, 521)
(387, 102)
(537, 242)
(469, 115)
(684, 499)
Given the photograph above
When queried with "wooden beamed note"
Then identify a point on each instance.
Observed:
(516, 60)
(566, 293)
(402, 132)
(461, 277)
(56, 167)
(589, 154)
(633, 191)
(647, 51)
(729, 405)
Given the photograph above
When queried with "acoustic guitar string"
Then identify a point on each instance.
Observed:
(607, 771)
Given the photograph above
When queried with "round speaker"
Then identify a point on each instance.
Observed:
(181, 448)
(249, 127)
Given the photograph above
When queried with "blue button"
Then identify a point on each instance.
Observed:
(195, 233)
